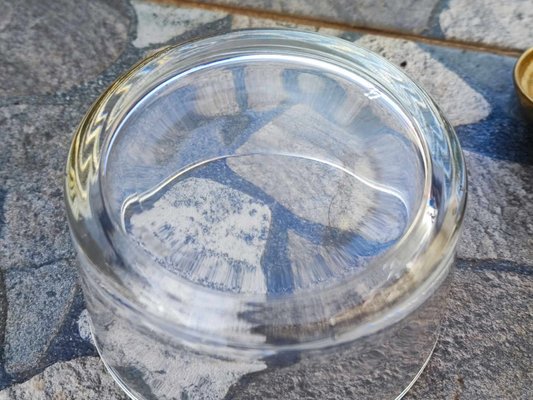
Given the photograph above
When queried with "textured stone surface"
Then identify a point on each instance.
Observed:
(81, 379)
(405, 15)
(498, 221)
(507, 24)
(490, 22)
(444, 85)
(32, 160)
(157, 24)
(504, 134)
(484, 351)
(84, 326)
(35, 250)
(246, 22)
(48, 46)
(38, 302)
(67, 343)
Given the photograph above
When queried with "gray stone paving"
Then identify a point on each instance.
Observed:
(33, 156)
(484, 351)
(507, 24)
(55, 57)
(82, 379)
(158, 24)
(50, 46)
(405, 15)
(498, 222)
(38, 301)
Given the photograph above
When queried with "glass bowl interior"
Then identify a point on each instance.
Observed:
(281, 177)
(266, 174)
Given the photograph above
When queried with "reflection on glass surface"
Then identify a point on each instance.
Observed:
(297, 193)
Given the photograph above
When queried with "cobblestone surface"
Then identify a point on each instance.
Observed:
(55, 45)
(56, 56)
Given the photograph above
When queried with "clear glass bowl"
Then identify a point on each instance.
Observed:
(265, 214)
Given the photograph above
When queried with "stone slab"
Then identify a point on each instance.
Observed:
(38, 302)
(81, 379)
(405, 15)
(33, 156)
(507, 25)
(50, 46)
(484, 351)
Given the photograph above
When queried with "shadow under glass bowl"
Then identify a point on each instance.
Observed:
(265, 214)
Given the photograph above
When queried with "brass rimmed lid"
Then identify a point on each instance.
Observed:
(523, 78)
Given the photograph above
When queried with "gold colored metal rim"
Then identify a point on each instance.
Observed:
(520, 69)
